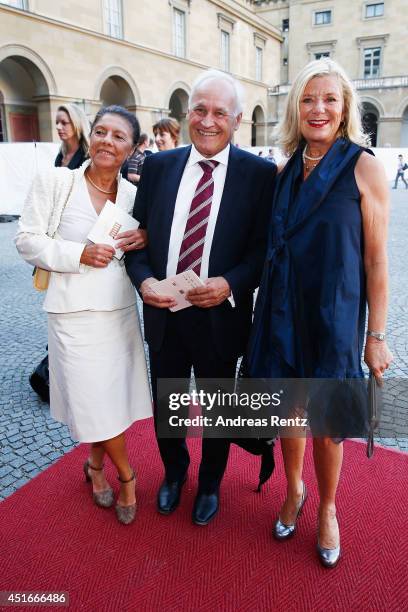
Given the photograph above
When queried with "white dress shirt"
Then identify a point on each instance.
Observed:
(189, 181)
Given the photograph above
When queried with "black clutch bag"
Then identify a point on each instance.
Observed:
(373, 412)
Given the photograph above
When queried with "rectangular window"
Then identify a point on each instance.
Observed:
(372, 61)
(179, 30)
(321, 54)
(322, 17)
(21, 4)
(113, 18)
(225, 51)
(258, 63)
(285, 25)
(374, 10)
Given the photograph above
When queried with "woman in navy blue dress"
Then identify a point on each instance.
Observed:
(326, 262)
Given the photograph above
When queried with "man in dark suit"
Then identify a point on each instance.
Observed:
(206, 208)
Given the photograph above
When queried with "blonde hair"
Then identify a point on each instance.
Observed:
(80, 124)
(288, 130)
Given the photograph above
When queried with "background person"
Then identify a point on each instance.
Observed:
(205, 207)
(166, 134)
(98, 378)
(136, 161)
(400, 172)
(73, 130)
(271, 157)
(326, 259)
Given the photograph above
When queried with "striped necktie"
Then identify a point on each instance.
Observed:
(192, 246)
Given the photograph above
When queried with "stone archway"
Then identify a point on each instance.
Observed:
(369, 118)
(3, 137)
(178, 105)
(404, 128)
(25, 108)
(116, 90)
(258, 127)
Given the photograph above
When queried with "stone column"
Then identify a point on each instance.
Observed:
(389, 131)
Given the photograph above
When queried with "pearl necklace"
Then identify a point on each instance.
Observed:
(310, 166)
(99, 188)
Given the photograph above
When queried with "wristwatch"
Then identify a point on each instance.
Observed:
(377, 335)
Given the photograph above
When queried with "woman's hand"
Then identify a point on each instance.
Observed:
(97, 255)
(132, 240)
(377, 356)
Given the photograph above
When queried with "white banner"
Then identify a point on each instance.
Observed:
(388, 156)
(20, 161)
(18, 164)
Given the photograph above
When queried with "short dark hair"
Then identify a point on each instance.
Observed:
(168, 125)
(142, 138)
(115, 109)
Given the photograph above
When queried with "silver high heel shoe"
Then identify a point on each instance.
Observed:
(284, 532)
(328, 557)
(126, 514)
(103, 499)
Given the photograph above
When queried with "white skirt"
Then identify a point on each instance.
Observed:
(98, 377)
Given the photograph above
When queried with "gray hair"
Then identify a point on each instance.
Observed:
(218, 75)
(288, 130)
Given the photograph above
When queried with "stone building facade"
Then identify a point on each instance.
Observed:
(367, 37)
(143, 54)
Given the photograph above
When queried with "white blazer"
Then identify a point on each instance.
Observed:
(39, 222)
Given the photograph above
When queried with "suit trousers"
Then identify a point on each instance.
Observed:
(188, 343)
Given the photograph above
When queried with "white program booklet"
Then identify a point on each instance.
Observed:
(177, 286)
(112, 221)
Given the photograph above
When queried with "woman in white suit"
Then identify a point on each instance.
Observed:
(98, 377)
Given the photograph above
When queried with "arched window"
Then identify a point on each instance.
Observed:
(258, 127)
(2, 135)
(369, 118)
(178, 105)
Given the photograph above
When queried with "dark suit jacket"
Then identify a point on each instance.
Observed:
(238, 247)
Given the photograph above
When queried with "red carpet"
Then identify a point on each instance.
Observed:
(54, 539)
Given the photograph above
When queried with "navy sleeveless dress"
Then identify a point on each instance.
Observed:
(310, 314)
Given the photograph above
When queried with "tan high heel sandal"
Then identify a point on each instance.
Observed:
(126, 514)
(103, 499)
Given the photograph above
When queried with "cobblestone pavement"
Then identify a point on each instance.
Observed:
(30, 440)
(394, 421)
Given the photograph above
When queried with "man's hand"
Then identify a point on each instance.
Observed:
(152, 298)
(97, 255)
(215, 291)
(132, 240)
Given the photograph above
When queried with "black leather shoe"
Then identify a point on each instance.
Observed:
(205, 508)
(168, 497)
